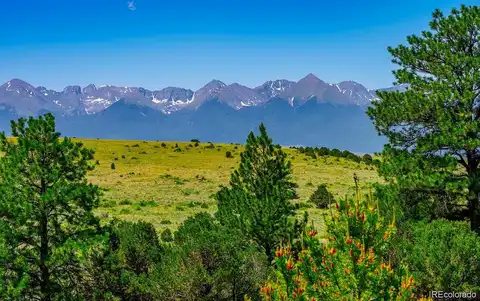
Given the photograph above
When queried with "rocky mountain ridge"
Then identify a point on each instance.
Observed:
(26, 99)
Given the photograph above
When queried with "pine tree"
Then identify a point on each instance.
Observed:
(321, 197)
(433, 127)
(45, 209)
(258, 201)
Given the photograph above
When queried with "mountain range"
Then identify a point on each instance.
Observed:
(307, 112)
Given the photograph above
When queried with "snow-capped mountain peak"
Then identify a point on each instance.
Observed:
(92, 99)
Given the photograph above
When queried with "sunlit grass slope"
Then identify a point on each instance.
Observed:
(165, 182)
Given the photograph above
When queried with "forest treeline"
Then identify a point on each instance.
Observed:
(415, 233)
(315, 152)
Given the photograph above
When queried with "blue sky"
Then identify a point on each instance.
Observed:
(162, 43)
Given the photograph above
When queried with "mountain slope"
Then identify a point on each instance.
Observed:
(307, 112)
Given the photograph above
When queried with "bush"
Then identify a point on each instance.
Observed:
(125, 211)
(112, 166)
(228, 154)
(323, 151)
(353, 265)
(321, 197)
(196, 144)
(147, 204)
(125, 268)
(125, 202)
(164, 145)
(367, 159)
(227, 267)
(195, 140)
(442, 255)
(167, 235)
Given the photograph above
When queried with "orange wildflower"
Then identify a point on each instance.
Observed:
(267, 289)
(290, 264)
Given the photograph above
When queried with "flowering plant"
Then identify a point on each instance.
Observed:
(352, 265)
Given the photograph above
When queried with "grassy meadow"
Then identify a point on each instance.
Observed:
(164, 184)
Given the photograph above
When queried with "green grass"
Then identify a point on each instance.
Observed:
(164, 186)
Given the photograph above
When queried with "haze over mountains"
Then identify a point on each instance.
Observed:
(307, 112)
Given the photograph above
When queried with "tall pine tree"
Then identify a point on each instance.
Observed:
(45, 210)
(258, 201)
(434, 127)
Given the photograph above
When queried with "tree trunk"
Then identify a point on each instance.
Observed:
(473, 193)
(269, 253)
(473, 211)
(44, 271)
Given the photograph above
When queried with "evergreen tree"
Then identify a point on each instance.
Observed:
(433, 127)
(126, 268)
(367, 158)
(228, 268)
(46, 207)
(321, 197)
(258, 201)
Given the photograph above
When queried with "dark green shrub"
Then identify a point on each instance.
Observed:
(228, 154)
(147, 204)
(321, 197)
(442, 255)
(124, 211)
(112, 166)
(231, 266)
(125, 202)
(367, 159)
(323, 151)
(127, 265)
(108, 204)
(167, 235)
(164, 145)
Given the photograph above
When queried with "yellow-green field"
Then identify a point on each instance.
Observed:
(157, 184)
